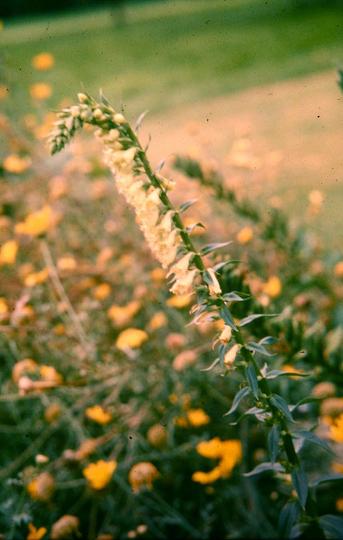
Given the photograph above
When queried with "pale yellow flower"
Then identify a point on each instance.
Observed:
(99, 474)
(4, 309)
(131, 338)
(157, 435)
(66, 263)
(338, 269)
(23, 367)
(43, 61)
(230, 355)
(184, 359)
(8, 252)
(98, 414)
(179, 301)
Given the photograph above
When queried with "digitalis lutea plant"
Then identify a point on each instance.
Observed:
(169, 240)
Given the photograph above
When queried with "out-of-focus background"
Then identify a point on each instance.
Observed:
(218, 78)
(112, 420)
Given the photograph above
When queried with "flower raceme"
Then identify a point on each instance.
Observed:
(124, 158)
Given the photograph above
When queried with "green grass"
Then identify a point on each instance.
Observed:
(170, 53)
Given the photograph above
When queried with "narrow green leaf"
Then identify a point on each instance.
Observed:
(242, 393)
(332, 526)
(312, 438)
(300, 484)
(273, 442)
(252, 380)
(266, 467)
(282, 406)
(251, 318)
(212, 247)
(288, 516)
(214, 363)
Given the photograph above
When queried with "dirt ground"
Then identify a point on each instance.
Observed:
(280, 141)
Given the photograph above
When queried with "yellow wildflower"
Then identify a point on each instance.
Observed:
(273, 287)
(339, 504)
(179, 301)
(49, 373)
(37, 223)
(3, 308)
(197, 417)
(15, 164)
(157, 321)
(102, 291)
(66, 263)
(36, 278)
(34, 533)
(52, 412)
(157, 274)
(23, 367)
(131, 338)
(100, 473)
(142, 475)
(245, 235)
(121, 315)
(206, 477)
(338, 269)
(43, 61)
(8, 252)
(41, 488)
(4, 90)
(65, 527)
(40, 91)
(336, 430)
(210, 449)
(157, 435)
(98, 414)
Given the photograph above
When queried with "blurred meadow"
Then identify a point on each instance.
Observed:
(112, 405)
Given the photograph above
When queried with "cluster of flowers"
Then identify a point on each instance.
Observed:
(125, 159)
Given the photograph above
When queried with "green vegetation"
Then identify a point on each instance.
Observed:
(167, 54)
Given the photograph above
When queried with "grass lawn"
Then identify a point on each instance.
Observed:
(170, 53)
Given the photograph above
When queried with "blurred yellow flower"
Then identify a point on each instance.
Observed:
(336, 430)
(210, 449)
(40, 91)
(41, 488)
(98, 414)
(273, 287)
(197, 417)
(102, 291)
(52, 412)
(157, 321)
(131, 338)
(37, 223)
(65, 527)
(179, 300)
(34, 533)
(158, 274)
(8, 252)
(3, 308)
(339, 504)
(230, 355)
(121, 315)
(16, 164)
(49, 373)
(206, 477)
(3, 91)
(43, 61)
(245, 235)
(338, 269)
(100, 473)
(58, 186)
(36, 278)
(157, 435)
(229, 453)
(66, 263)
(23, 367)
(142, 476)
